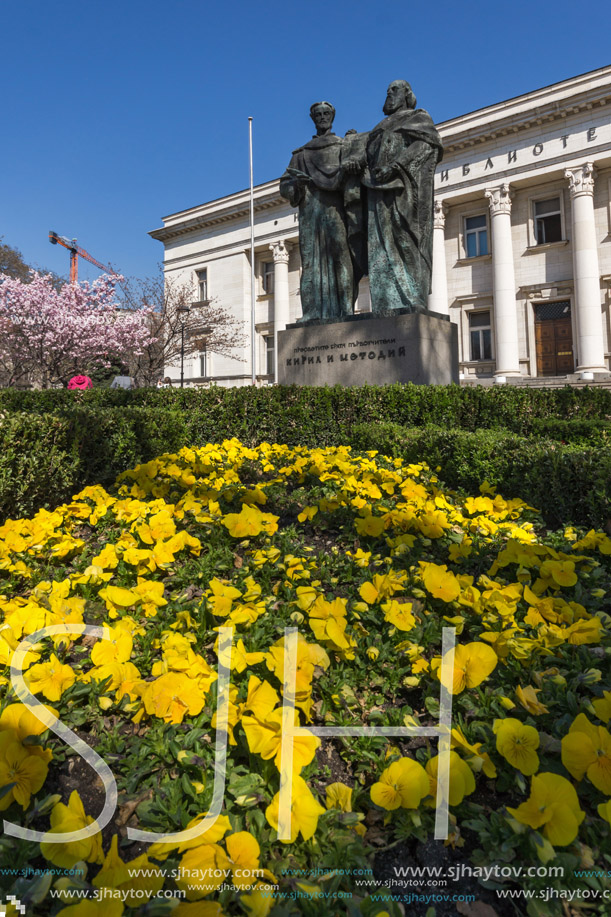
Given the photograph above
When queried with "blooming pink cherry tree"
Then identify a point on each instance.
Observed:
(47, 335)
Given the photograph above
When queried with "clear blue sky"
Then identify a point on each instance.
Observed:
(116, 113)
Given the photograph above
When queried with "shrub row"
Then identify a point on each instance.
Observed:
(568, 483)
(46, 458)
(282, 411)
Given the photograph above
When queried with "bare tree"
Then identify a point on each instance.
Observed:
(12, 263)
(207, 326)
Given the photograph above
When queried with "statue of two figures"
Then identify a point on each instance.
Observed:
(366, 209)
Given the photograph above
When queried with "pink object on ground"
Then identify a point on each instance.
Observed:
(80, 382)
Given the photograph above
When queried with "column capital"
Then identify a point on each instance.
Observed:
(581, 180)
(280, 252)
(500, 199)
(440, 210)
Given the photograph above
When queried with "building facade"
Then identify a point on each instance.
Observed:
(521, 256)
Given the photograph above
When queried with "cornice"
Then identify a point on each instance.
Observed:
(222, 210)
(587, 92)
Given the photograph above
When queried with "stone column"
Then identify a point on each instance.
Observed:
(438, 298)
(503, 284)
(281, 294)
(586, 276)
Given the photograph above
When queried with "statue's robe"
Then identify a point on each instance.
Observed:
(400, 211)
(329, 279)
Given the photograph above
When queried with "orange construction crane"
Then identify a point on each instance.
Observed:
(76, 251)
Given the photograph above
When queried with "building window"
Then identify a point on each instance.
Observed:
(267, 277)
(476, 236)
(202, 285)
(270, 362)
(480, 335)
(203, 364)
(548, 221)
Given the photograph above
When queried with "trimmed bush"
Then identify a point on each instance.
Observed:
(37, 465)
(56, 442)
(568, 483)
(285, 411)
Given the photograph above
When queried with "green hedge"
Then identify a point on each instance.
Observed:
(284, 411)
(568, 483)
(46, 458)
(53, 443)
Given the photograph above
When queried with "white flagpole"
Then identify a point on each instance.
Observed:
(253, 352)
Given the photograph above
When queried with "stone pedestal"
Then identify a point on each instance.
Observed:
(370, 350)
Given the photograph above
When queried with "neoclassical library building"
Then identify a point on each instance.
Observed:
(521, 252)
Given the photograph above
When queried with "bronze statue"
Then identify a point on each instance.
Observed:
(402, 153)
(314, 182)
(366, 208)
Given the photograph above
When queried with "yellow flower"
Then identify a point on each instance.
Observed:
(372, 653)
(382, 587)
(118, 597)
(310, 656)
(462, 781)
(244, 852)
(602, 707)
(20, 719)
(553, 808)
(517, 743)
(257, 903)
(265, 739)
(361, 558)
(528, 698)
(584, 631)
(203, 868)
(117, 649)
(24, 773)
(114, 871)
(339, 796)
(159, 526)
(586, 750)
(172, 696)
(404, 784)
(370, 525)
(220, 602)
(210, 836)
(479, 760)
(308, 513)
(561, 572)
(439, 581)
(261, 698)
(240, 659)
(473, 663)
(399, 614)
(250, 521)
(604, 810)
(120, 674)
(328, 623)
(305, 811)
(151, 596)
(72, 818)
(50, 678)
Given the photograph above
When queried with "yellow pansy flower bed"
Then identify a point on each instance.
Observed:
(340, 570)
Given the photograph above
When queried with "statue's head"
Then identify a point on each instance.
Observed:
(399, 95)
(322, 114)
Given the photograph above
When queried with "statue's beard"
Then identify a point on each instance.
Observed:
(390, 107)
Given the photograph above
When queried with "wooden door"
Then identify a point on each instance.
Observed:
(554, 339)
